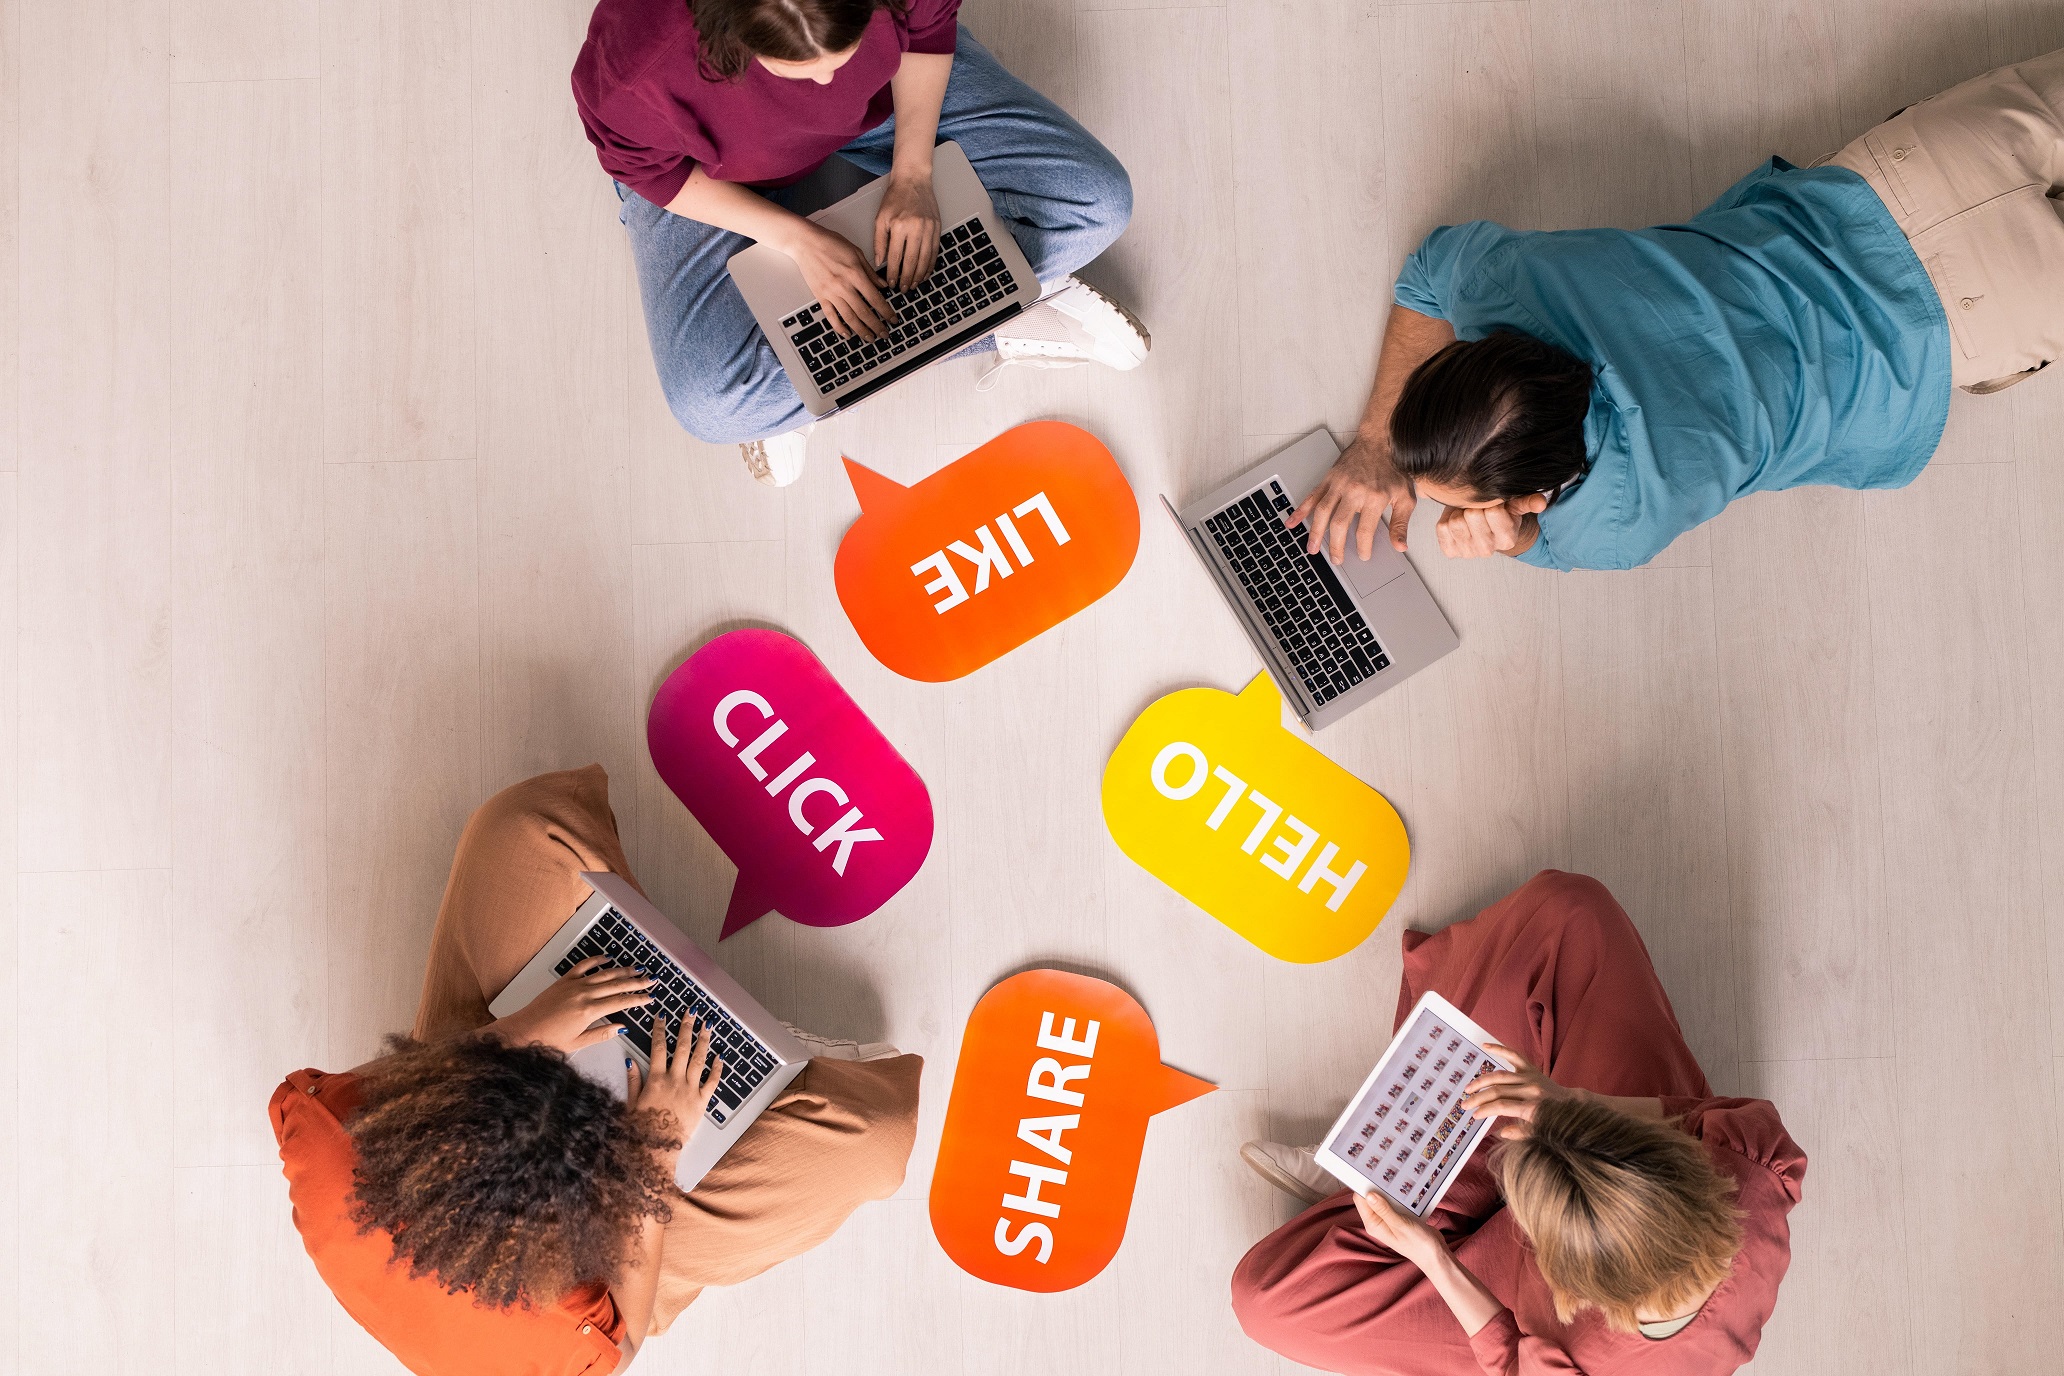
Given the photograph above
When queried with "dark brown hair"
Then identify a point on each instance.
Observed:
(736, 31)
(1622, 1212)
(1502, 416)
(501, 1171)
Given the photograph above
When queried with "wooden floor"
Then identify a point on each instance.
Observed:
(340, 494)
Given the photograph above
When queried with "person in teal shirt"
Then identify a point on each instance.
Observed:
(1579, 399)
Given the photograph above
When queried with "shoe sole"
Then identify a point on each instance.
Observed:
(761, 467)
(1120, 307)
(756, 462)
(1289, 1184)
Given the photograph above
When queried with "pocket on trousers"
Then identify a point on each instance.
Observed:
(1999, 268)
(1910, 171)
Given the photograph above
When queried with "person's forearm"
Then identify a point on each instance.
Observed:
(919, 90)
(740, 209)
(639, 1285)
(1409, 339)
(1472, 1305)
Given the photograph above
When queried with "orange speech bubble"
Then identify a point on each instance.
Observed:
(1058, 1075)
(944, 576)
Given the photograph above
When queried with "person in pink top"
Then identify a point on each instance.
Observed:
(706, 113)
(1625, 1221)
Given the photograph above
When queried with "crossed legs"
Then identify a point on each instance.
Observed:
(1063, 194)
(839, 1137)
(1557, 972)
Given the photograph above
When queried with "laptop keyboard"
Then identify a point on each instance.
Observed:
(675, 992)
(1298, 595)
(969, 278)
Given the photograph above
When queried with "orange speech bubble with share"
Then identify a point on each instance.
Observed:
(941, 577)
(1058, 1075)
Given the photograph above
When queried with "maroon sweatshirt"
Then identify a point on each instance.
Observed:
(654, 112)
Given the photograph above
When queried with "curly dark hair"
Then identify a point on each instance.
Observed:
(501, 1171)
(733, 32)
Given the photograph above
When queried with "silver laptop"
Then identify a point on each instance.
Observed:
(759, 1054)
(980, 280)
(1333, 638)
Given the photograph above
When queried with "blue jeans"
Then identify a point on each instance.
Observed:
(1063, 195)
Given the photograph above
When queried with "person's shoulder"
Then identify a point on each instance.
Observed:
(628, 38)
(1462, 273)
(312, 1099)
(1474, 239)
(1589, 526)
(1749, 1139)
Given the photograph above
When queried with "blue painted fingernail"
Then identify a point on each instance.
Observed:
(623, 1031)
(627, 1063)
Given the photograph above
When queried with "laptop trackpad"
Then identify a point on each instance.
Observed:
(1367, 575)
(604, 1064)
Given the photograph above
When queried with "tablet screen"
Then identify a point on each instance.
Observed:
(1407, 1133)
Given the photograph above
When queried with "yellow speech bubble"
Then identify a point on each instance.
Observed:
(1209, 794)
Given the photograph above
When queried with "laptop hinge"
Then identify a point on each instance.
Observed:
(912, 362)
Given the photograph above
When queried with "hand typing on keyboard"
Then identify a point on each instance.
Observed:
(841, 278)
(968, 278)
(906, 230)
(1306, 608)
(570, 1013)
(1363, 482)
(680, 1082)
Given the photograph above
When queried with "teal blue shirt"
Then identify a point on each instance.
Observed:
(1785, 335)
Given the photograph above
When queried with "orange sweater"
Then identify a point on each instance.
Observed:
(432, 1332)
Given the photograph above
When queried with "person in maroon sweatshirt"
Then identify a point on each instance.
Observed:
(705, 111)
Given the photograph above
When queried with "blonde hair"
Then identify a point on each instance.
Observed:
(1623, 1212)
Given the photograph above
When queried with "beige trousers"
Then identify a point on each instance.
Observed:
(1974, 176)
(839, 1137)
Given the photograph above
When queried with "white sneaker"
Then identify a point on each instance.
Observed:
(836, 1049)
(777, 460)
(1075, 324)
(1291, 1170)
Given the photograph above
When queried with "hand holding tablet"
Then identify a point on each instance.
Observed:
(1511, 1094)
(1408, 1132)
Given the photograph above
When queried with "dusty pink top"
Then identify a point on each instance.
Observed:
(1750, 1146)
(1557, 971)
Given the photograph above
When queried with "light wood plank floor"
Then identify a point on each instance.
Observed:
(336, 492)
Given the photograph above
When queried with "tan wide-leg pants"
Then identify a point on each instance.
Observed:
(839, 1137)
(1974, 176)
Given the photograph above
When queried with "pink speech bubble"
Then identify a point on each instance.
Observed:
(823, 818)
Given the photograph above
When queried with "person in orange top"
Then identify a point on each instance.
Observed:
(483, 1209)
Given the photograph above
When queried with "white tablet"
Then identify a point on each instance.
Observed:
(1405, 1131)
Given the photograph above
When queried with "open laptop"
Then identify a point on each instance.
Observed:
(1333, 638)
(760, 1055)
(980, 280)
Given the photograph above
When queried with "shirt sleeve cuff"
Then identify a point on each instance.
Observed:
(1411, 292)
(935, 41)
(660, 188)
(1496, 1344)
